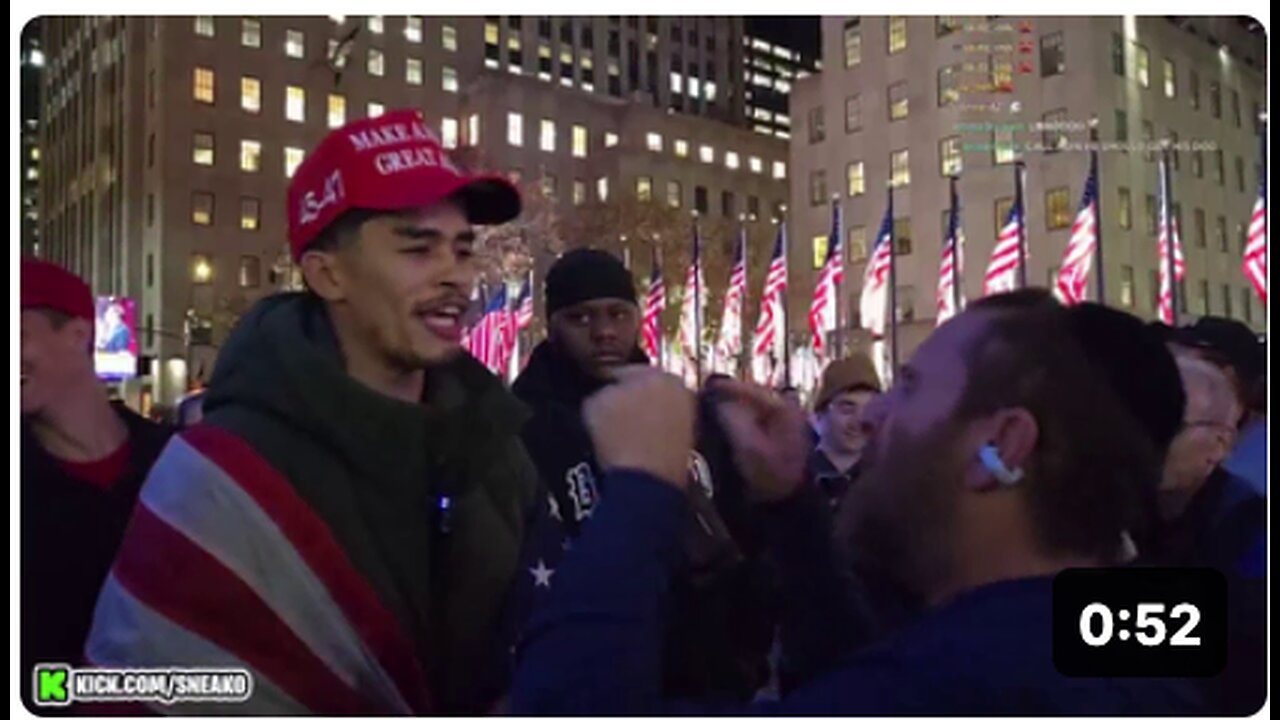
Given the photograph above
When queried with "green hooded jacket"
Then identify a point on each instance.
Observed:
(429, 501)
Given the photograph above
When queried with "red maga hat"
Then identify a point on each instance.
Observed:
(45, 285)
(392, 162)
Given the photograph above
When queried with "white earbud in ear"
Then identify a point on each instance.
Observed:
(994, 464)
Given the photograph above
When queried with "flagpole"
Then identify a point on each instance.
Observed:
(786, 306)
(893, 289)
(1097, 207)
(661, 344)
(955, 245)
(1019, 172)
(697, 304)
(837, 294)
(1169, 247)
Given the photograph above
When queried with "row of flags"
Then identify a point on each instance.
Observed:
(494, 339)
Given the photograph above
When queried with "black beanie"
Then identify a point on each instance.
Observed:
(587, 274)
(1133, 359)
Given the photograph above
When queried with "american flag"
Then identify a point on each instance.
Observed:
(694, 301)
(524, 305)
(767, 341)
(874, 304)
(952, 264)
(490, 339)
(1168, 228)
(1073, 279)
(655, 302)
(731, 324)
(1255, 250)
(826, 292)
(1002, 271)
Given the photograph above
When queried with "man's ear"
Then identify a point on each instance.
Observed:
(325, 274)
(1013, 434)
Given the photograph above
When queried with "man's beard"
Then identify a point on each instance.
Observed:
(896, 521)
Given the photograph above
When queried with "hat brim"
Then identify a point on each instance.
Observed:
(487, 199)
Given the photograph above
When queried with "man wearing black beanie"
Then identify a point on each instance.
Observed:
(593, 325)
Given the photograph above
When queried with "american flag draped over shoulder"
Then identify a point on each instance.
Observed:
(826, 292)
(767, 341)
(655, 301)
(1002, 271)
(1255, 249)
(874, 303)
(1072, 286)
(1167, 237)
(952, 264)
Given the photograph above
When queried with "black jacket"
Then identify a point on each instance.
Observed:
(723, 614)
(70, 533)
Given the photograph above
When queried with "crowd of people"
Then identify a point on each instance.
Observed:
(366, 518)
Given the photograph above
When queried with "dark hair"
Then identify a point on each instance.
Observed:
(1093, 471)
(343, 232)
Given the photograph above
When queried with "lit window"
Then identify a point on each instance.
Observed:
(755, 164)
(491, 33)
(251, 33)
(250, 271)
(547, 135)
(707, 154)
(644, 189)
(202, 85)
(375, 109)
(473, 129)
(449, 79)
(292, 159)
(579, 141)
(709, 91)
(602, 189)
(694, 89)
(900, 173)
(294, 43)
(1003, 146)
(674, 193)
(449, 38)
(338, 58)
(731, 160)
(1170, 79)
(250, 213)
(653, 141)
(677, 82)
(449, 132)
(337, 111)
(377, 62)
(413, 29)
(898, 106)
(515, 129)
(852, 43)
(375, 24)
(949, 85)
(897, 34)
(856, 178)
(201, 265)
(779, 170)
(202, 149)
(295, 104)
(579, 192)
(413, 71)
(610, 139)
(949, 152)
(202, 208)
(1058, 208)
(682, 148)
(250, 94)
(250, 156)
(204, 25)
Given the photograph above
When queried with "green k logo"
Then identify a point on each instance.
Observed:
(51, 684)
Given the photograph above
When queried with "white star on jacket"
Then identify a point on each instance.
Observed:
(542, 574)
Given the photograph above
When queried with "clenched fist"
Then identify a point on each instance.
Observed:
(770, 445)
(643, 422)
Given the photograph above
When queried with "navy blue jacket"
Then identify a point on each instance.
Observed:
(593, 648)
